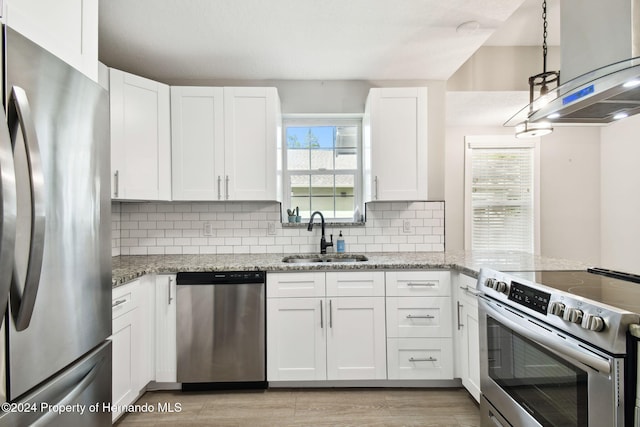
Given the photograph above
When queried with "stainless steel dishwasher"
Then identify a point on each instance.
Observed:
(221, 330)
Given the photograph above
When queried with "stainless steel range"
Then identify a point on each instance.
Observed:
(555, 348)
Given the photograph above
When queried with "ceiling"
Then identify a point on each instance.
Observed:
(177, 40)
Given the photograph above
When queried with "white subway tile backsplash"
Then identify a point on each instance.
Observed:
(242, 227)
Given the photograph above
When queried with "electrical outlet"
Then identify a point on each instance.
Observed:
(406, 226)
(208, 229)
(271, 228)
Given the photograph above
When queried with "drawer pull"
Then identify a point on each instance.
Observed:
(470, 291)
(428, 359)
(117, 303)
(426, 316)
(427, 285)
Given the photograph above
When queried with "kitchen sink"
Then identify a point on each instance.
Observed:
(324, 258)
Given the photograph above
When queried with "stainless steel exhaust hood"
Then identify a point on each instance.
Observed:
(600, 44)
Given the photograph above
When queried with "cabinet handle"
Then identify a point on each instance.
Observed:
(427, 285)
(321, 316)
(226, 187)
(219, 187)
(460, 324)
(170, 279)
(375, 183)
(427, 316)
(470, 291)
(330, 315)
(117, 303)
(116, 183)
(428, 359)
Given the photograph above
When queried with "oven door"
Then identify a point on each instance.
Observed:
(532, 375)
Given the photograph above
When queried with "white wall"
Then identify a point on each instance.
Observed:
(569, 191)
(620, 192)
(570, 194)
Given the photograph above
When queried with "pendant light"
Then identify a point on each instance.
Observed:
(531, 130)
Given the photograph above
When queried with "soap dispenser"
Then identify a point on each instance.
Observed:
(340, 244)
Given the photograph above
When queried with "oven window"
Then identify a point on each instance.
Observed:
(552, 390)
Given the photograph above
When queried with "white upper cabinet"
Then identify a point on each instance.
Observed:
(225, 143)
(252, 117)
(140, 138)
(66, 28)
(395, 144)
(197, 138)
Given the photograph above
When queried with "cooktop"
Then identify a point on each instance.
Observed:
(616, 289)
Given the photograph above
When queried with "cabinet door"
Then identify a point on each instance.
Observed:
(197, 138)
(166, 360)
(470, 351)
(144, 357)
(140, 138)
(397, 144)
(122, 383)
(125, 331)
(356, 346)
(467, 339)
(66, 28)
(296, 339)
(250, 133)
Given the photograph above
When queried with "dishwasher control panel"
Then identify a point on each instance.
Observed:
(219, 277)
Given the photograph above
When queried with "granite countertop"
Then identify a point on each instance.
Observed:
(126, 268)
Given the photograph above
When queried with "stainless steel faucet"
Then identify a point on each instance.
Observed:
(323, 242)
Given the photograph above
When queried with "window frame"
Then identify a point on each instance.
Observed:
(500, 142)
(302, 120)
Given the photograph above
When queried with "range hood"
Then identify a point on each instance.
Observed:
(600, 45)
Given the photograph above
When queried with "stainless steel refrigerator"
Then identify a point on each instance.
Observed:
(55, 261)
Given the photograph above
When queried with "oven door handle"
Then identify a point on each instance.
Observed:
(564, 351)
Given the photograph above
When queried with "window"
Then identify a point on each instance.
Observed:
(501, 194)
(322, 166)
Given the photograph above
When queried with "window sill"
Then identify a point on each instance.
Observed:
(327, 224)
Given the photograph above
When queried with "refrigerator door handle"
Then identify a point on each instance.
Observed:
(23, 298)
(9, 212)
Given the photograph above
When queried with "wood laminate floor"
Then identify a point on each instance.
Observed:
(308, 407)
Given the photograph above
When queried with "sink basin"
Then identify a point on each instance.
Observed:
(324, 258)
(293, 259)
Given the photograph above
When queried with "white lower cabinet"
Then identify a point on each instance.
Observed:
(329, 337)
(296, 339)
(166, 317)
(132, 342)
(356, 339)
(467, 338)
(419, 337)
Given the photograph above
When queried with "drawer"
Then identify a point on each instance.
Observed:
(355, 284)
(418, 317)
(283, 285)
(420, 358)
(124, 298)
(418, 283)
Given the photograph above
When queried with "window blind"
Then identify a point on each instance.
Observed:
(502, 199)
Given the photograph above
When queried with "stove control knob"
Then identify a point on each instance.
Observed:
(490, 283)
(593, 323)
(502, 287)
(556, 308)
(573, 315)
